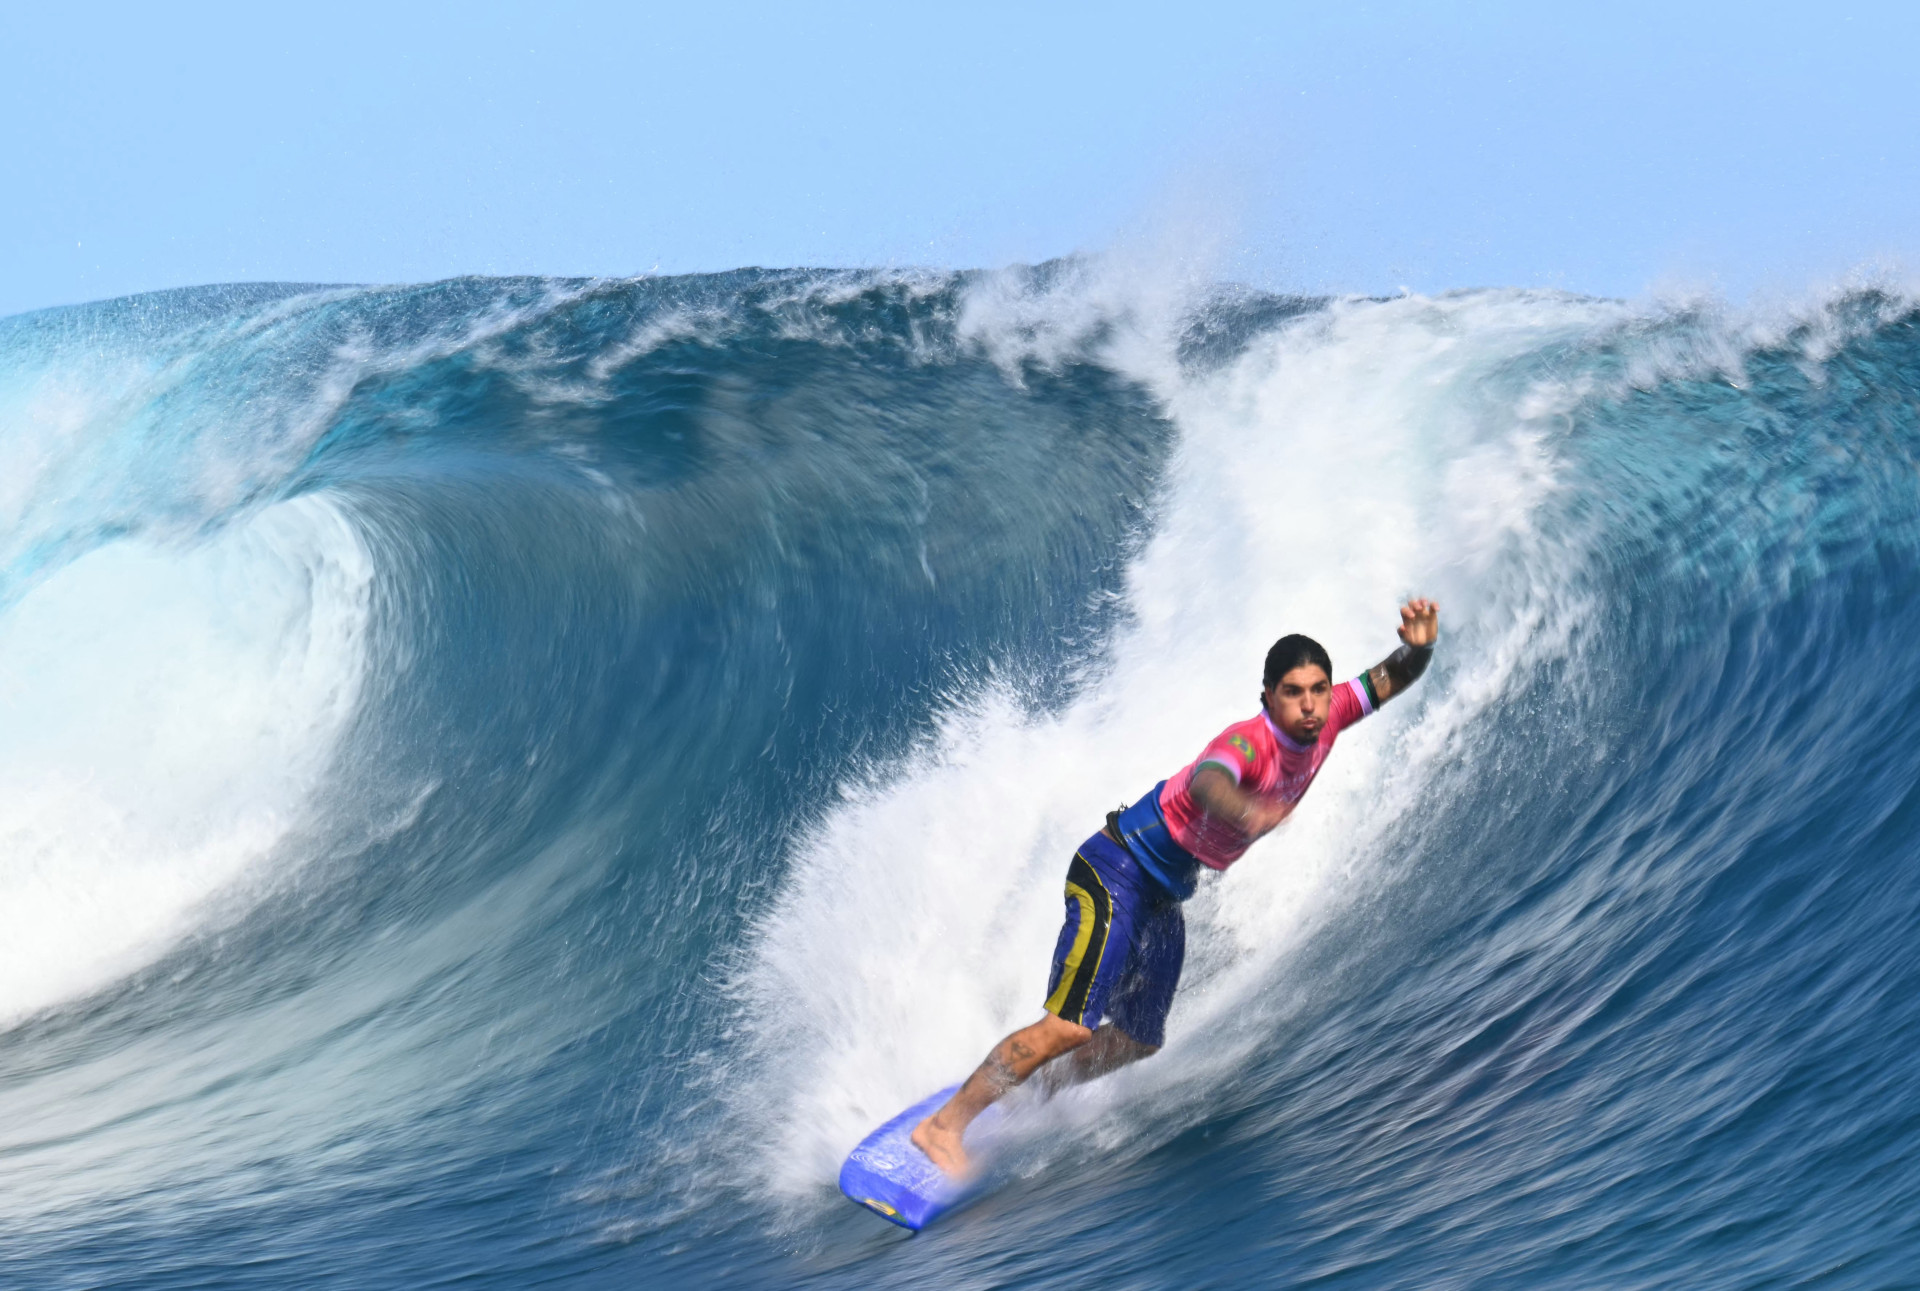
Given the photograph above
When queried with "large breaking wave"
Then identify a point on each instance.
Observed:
(507, 780)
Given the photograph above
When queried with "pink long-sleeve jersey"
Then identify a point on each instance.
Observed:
(1263, 759)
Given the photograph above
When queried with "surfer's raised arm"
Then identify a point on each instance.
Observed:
(1419, 628)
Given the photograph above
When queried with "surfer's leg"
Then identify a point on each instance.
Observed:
(941, 1136)
(1138, 1010)
(1087, 962)
(1110, 1049)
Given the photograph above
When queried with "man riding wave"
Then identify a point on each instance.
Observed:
(1118, 957)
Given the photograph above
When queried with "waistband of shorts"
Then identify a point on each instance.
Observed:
(1143, 833)
(1119, 866)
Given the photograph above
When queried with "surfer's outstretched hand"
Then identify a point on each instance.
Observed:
(1419, 622)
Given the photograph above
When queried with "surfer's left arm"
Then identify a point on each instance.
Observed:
(1419, 629)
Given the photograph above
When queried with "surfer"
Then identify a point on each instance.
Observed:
(1120, 950)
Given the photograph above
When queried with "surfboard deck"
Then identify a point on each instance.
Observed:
(897, 1181)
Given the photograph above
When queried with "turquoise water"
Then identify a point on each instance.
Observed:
(503, 782)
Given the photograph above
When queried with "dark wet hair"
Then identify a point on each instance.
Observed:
(1291, 652)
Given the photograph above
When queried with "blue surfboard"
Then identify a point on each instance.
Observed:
(897, 1181)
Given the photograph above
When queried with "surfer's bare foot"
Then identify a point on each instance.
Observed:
(943, 1146)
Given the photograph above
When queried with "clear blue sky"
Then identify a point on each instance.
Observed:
(1603, 148)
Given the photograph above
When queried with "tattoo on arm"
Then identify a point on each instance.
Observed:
(1398, 670)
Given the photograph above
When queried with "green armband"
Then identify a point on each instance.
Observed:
(1366, 680)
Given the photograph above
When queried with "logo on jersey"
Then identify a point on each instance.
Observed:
(1246, 749)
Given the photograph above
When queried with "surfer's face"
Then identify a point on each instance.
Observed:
(1298, 702)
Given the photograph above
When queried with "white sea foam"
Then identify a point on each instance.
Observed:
(166, 713)
(1361, 455)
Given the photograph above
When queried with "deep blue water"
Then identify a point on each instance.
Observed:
(502, 782)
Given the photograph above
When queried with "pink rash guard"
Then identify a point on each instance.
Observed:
(1263, 759)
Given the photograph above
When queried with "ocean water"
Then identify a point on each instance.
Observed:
(503, 782)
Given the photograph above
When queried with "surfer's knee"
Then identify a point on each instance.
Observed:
(1050, 1037)
(1120, 1048)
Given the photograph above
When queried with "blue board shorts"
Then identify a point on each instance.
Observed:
(1121, 947)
